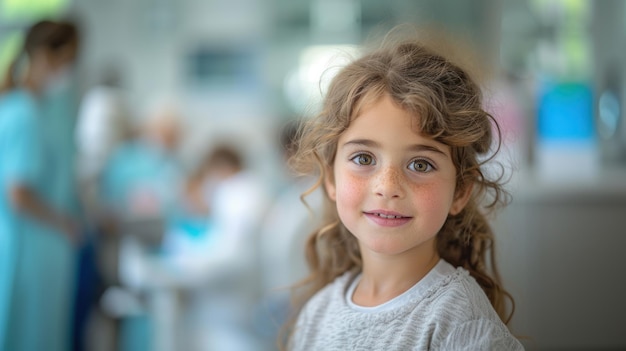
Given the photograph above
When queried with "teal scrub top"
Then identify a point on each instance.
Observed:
(137, 166)
(36, 262)
(60, 110)
(19, 163)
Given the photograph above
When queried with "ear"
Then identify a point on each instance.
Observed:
(461, 198)
(329, 184)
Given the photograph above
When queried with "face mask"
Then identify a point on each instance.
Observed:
(60, 82)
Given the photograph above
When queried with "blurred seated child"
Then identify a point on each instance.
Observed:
(232, 199)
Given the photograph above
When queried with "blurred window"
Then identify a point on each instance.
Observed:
(563, 48)
(317, 65)
(27, 10)
(563, 58)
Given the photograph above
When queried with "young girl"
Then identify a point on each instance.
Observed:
(403, 264)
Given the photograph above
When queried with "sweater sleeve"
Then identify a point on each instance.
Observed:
(480, 335)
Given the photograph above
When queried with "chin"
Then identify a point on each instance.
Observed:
(391, 246)
(385, 247)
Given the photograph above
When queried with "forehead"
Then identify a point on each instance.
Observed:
(383, 124)
(377, 112)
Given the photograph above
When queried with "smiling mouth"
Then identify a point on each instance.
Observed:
(387, 218)
(388, 215)
(381, 215)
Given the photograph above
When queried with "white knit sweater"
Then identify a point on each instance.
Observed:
(446, 310)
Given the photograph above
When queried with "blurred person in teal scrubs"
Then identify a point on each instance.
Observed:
(36, 235)
(142, 178)
(138, 199)
(60, 102)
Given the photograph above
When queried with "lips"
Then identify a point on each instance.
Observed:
(387, 218)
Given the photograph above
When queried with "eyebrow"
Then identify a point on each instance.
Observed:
(415, 147)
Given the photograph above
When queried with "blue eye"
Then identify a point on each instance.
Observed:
(421, 166)
(363, 159)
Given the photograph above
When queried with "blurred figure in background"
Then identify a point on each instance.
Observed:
(235, 200)
(140, 185)
(143, 176)
(103, 124)
(139, 192)
(60, 101)
(231, 196)
(36, 237)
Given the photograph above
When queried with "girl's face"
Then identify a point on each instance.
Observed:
(393, 187)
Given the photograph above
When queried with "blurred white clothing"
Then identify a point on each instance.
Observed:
(237, 205)
(102, 124)
(227, 254)
(231, 270)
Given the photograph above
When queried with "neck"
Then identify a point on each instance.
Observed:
(32, 84)
(385, 278)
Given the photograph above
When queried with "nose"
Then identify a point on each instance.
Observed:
(388, 183)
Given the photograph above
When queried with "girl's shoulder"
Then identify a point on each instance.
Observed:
(465, 318)
(461, 292)
(333, 291)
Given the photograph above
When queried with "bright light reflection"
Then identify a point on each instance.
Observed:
(305, 86)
